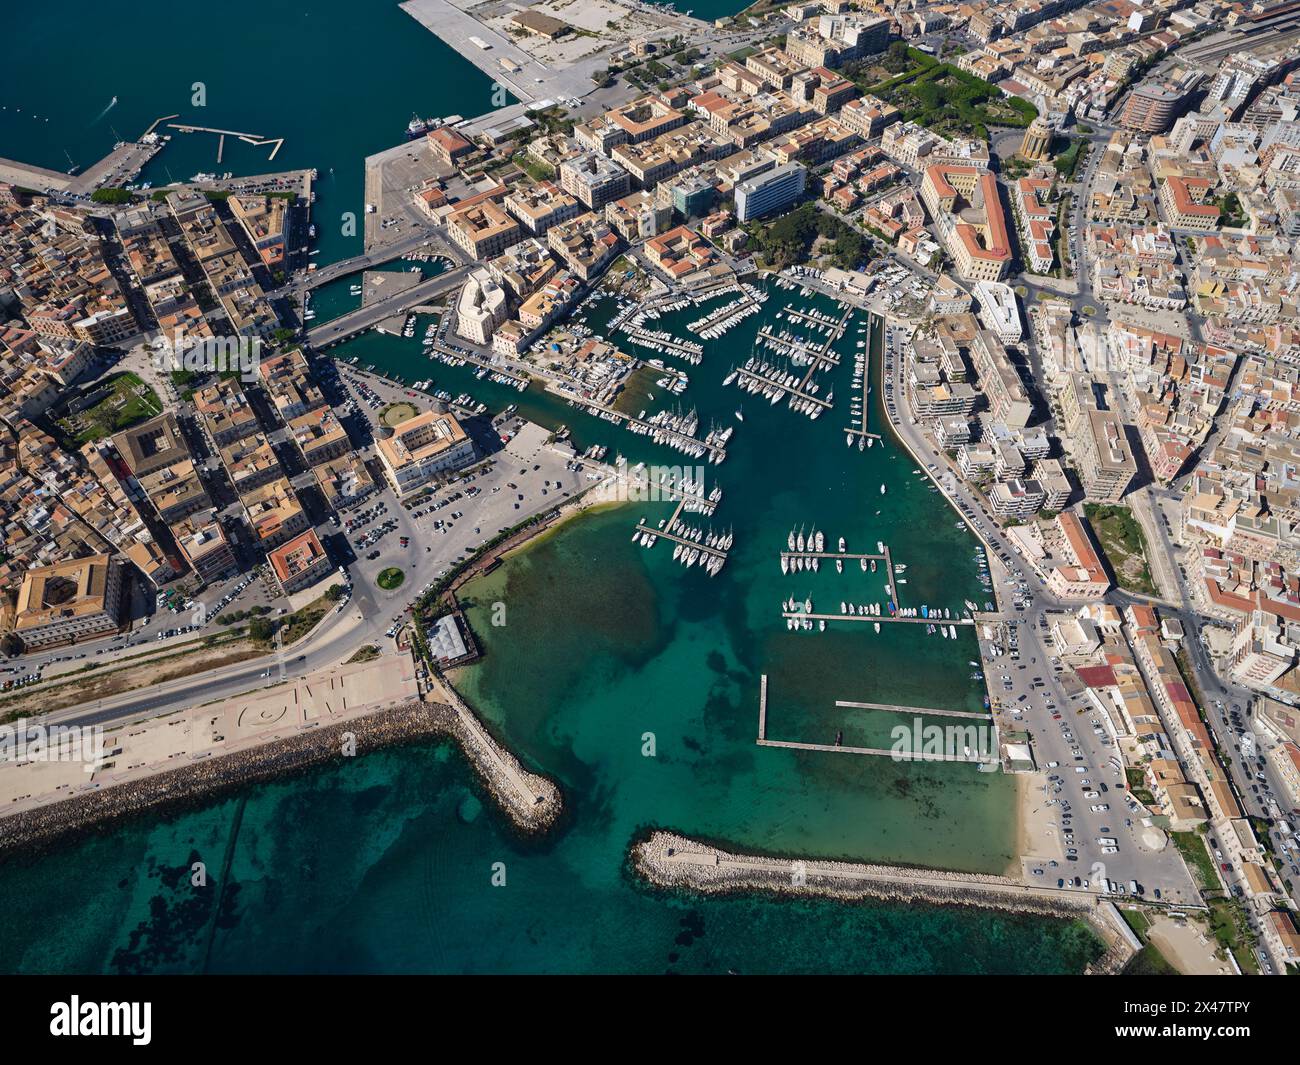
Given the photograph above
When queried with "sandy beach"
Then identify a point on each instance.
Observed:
(1037, 839)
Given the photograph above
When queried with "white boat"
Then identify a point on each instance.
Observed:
(785, 564)
(876, 625)
(842, 543)
(882, 489)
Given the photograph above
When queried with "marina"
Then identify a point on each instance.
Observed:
(693, 545)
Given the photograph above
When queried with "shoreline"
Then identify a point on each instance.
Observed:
(199, 783)
(670, 861)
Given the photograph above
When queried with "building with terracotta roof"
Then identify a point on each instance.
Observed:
(448, 145)
(68, 602)
(1061, 550)
(422, 447)
(482, 227)
(300, 562)
(967, 209)
(1183, 199)
(679, 252)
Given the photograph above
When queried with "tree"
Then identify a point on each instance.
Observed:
(261, 630)
(11, 644)
(334, 593)
(116, 196)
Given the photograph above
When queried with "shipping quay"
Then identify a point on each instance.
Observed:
(671, 861)
(118, 167)
(527, 77)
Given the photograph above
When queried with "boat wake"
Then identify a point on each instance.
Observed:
(111, 104)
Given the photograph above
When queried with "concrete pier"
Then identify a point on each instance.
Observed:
(877, 752)
(704, 549)
(793, 391)
(924, 710)
(884, 619)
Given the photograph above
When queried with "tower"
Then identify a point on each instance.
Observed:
(1037, 144)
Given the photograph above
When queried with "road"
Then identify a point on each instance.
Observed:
(1026, 685)
(358, 321)
(422, 239)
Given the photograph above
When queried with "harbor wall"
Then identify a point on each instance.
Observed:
(668, 860)
(531, 807)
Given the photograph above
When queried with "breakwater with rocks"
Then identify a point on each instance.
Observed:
(531, 802)
(669, 861)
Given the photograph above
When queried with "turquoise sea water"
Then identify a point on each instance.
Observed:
(385, 863)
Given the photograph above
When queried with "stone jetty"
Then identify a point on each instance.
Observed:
(672, 861)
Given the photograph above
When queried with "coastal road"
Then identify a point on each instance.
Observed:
(367, 615)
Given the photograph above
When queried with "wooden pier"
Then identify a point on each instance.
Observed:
(924, 710)
(890, 586)
(723, 313)
(836, 328)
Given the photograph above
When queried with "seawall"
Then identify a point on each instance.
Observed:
(668, 860)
